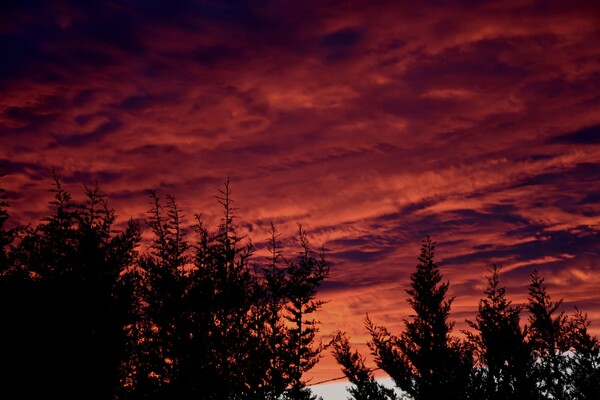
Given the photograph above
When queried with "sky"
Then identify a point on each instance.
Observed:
(371, 123)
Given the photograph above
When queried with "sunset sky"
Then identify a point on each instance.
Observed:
(371, 123)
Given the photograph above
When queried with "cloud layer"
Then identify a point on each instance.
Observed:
(371, 124)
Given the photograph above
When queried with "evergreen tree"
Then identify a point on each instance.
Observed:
(500, 345)
(277, 354)
(15, 305)
(548, 339)
(211, 327)
(364, 386)
(226, 344)
(304, 276)
(7, 236)
(160, 280)
(425, 360)
(584, 363)
(74, 298)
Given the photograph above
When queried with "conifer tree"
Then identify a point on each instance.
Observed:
(74, 298)
(179, 321)
(273, 285)
(500, 345)
(424, 360)
(548, 339)
(584, 363)
(364, 386)
(161, 283)
(223, 281)
(211, 327)
(6, 235)
(304, 276)
(15, 305)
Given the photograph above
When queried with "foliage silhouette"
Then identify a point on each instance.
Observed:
(555, 357)
(68, 304)
(84, 314)
(212, 326)
(7, 236)
(159, 287)
(304, 276)
(584, 364)
(364, 386)
(566, 358)
(424, 361)
(548, 338)
(500, 347)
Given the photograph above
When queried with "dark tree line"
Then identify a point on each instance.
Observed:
(85, 314)
(551, 356)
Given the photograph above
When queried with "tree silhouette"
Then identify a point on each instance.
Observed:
(584, 364)
(424, 361)
(223, 281)
(212, 327)
(274, 288)
(500, 345)
(76, 304)
(364, 386)
(194, 335)
(304, 275)
(85, 316)
(160, 287)
(548, 339)
(15, 305)
(7, 236)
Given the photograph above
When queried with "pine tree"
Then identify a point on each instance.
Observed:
(74, 297)
(160, 280)
(500, 345)
(223, 280)
(7, 236)
(425, 360)
(273, 285)
(304, 276)
(176, 322)
(364, 386)
(210, 326)
(584, 363)
(548, 339)
(16, 304)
